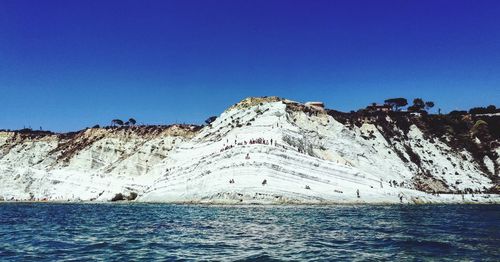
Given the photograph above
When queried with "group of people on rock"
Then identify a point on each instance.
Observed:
(224, 148)
(261, 141)
(393, 183)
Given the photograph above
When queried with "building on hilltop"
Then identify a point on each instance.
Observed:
(316, 105)
(379, 108)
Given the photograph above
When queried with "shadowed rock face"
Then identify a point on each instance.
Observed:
(459, 133)
(304, 153)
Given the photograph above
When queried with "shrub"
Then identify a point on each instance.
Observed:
(117, 122)
(396, 103)
(458, 113)
(491, 109)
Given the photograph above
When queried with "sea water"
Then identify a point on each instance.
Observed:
(117, 232)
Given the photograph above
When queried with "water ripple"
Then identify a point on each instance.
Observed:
(66, 232)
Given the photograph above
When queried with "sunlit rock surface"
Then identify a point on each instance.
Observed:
(261, 150)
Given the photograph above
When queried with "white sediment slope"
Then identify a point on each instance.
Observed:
(262, 150)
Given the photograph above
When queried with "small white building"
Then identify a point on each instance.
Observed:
(316, 105)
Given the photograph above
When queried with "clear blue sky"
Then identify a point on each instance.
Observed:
(66, 65)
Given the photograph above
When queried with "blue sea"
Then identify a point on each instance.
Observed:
(124, 232)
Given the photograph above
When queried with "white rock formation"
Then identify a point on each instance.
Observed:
(303, 155)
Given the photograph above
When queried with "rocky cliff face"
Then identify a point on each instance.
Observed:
(91, 164)
(263, 150)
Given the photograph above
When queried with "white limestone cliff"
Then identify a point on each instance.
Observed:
(303, 154)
